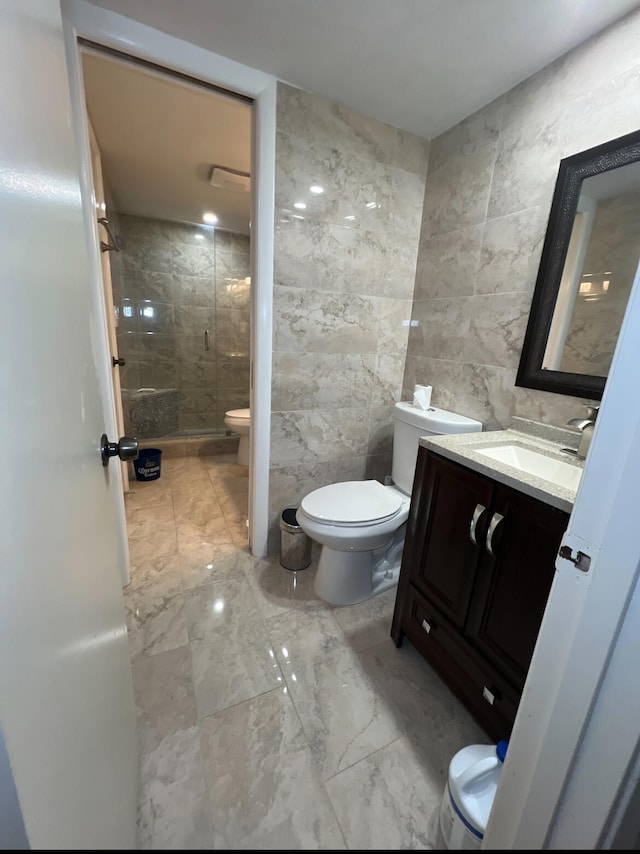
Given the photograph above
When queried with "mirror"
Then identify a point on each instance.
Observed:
(589, 259)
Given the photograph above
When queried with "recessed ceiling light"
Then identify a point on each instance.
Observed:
(372, 204)
(199, 236)
(210, 218)
(317, 189)
(296, 216)
(350, 218)
(300, 205)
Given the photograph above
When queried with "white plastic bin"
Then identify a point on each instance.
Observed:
(474, 774)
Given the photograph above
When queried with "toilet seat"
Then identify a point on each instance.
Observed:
(352, 503)
(238, 417)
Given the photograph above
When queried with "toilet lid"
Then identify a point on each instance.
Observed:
(239, 413)
(352, 502)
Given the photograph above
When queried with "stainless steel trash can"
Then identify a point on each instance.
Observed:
(295, 545)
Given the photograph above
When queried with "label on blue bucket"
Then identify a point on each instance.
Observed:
(147, 466)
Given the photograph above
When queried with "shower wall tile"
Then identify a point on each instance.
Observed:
(194, 290)
(487, 201)
(231, 241)
(194, 320)
(344, 273)
(157, 375)
(173, 285)
(192, 260)
(233, 372)
(197, 375)
(146, 255)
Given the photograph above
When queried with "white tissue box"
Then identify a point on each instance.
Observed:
(422, 396)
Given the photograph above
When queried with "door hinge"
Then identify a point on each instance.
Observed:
(581, 560)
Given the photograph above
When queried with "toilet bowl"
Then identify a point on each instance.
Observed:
(360, 525)
(239, 420)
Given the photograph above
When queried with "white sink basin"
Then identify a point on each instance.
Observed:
(539, 465)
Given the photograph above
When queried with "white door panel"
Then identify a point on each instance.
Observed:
(66, 701)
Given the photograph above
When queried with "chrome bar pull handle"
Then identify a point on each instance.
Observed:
(207, 340)
(495, 521)
(477, 513)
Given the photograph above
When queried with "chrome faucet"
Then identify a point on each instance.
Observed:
(586, 425)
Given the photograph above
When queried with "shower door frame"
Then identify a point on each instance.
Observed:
(84, 21)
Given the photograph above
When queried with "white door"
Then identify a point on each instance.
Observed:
(105, 265)
(66, 700)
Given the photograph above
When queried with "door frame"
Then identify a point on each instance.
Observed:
(82, 20)
(107, 292)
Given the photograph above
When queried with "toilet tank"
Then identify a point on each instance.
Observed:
(411, 422)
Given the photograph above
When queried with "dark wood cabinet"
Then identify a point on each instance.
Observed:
(477, 568)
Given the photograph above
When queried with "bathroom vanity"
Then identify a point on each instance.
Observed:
(487, 514)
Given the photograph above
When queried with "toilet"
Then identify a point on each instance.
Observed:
(361, 525)
(239, 420)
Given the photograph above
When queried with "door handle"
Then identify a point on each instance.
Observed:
(126, 449)
(495, 521)
(118, 362)
(477, 513)
(207, 340)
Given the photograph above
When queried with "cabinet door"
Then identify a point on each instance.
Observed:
(454, 503)
(513, 580)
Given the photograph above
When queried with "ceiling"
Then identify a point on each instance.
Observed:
(159, 139)
(421, 65)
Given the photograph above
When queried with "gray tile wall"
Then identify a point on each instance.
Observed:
(344, 275)
(487, 201)
(173, 281)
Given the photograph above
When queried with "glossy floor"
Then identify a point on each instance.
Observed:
(267, 718)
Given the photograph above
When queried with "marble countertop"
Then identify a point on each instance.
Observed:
(542, 438)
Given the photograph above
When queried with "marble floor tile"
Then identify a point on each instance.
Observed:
(430, 715)
(155, 623)
(278, 589)
(165, 701)
(143, 494)
(367, 623)
(269, 719)
(211, 531)
(173, 808)
(265, 791)
(198, 509)
(232, 656)
(343, 715)
(151, 533)
(153, 578)
(204, 563)
(387, 801)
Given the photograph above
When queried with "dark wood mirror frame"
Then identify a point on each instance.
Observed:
(573, 170)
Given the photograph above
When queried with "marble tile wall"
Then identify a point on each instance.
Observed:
(488, 195)
(345, 262)
(173, 281)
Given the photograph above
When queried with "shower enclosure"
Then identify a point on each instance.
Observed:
(181, 294)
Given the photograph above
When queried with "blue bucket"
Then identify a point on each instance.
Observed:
(147, 465)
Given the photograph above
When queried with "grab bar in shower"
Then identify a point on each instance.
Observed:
(113, 244)
(207, 340)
